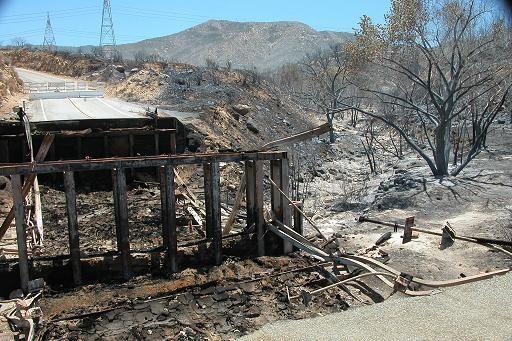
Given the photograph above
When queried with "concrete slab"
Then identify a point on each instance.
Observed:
(477, 311)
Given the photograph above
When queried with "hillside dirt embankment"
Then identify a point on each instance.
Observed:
(61, 63)
(238, 109)
(10, 86)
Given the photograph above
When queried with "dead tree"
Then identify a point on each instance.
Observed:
(435, 66)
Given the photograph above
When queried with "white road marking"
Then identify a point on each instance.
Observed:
(43, 111)
(110, 106)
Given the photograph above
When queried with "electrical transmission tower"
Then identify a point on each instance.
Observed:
(49, 38)
(107, 38)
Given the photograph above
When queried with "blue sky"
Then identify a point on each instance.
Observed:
(77, 22)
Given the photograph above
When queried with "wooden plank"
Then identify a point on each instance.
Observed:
(216, 213)
(41, 155)
(157, 144)
(106, 146)
(122, 227)
(79, 153)
(305, 135)
(234, 213)
(298, 221)
(163, 201)
(409, 223)
(285, 207)
(259, 219)
(275, 245)
(19, 212)
(250, 190)
(116, 207)
(190, 195)
(172, 141)
(74, 239)
(275, 196)
(208, 199)
(136, 162)
(169, 222)
(4, 151)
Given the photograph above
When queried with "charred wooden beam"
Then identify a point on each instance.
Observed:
(169, 217)
(259, 219)
(19, 212)
(208, 199)
(136, 162)
(4, 151)
(213, 214)
(250, 190)
(122, 221)
(74, 240)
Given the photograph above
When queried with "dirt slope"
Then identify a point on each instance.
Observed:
(57, 63)
(10, 85)
(238, 109)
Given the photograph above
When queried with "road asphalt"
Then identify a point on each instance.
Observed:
(83, 108)
(476, 311)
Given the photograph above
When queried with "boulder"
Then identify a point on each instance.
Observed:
(242, 109)
(252, 127)
(119, 68)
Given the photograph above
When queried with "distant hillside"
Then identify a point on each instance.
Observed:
(263, 45)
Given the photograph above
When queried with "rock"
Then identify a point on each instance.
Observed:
(119, 68)
(143, 317)
(207, 291)
(194, 141)
(186, 298)
(157, 308)
(383, 238)
(249, 287)
(18, 293)
(140, 306)
(253, 312)
(204, 302)
(242, 109)
(221, 296)
(251, 126)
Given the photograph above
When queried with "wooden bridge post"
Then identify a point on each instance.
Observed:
(74, 239)
(169, 216)
(286, 209)
(213, 215)
(280, 207)
(122, 221)
(19, 213)
(250, 181)
(4, 151)
(172, 141)
(259, 219)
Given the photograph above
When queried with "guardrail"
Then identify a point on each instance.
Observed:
(63, 86)
(63, 89)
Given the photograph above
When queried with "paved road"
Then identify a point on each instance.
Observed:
(38, 77)
(82, 108)
(477, 311)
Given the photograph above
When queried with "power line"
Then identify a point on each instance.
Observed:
(63, 15)
(49, 38)
(55, 12)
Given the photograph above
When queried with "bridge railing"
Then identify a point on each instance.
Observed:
(32, 87)
(49, 90)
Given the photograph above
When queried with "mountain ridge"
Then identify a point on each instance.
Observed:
(264, 45)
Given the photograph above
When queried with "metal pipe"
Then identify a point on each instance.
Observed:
(477, 240)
